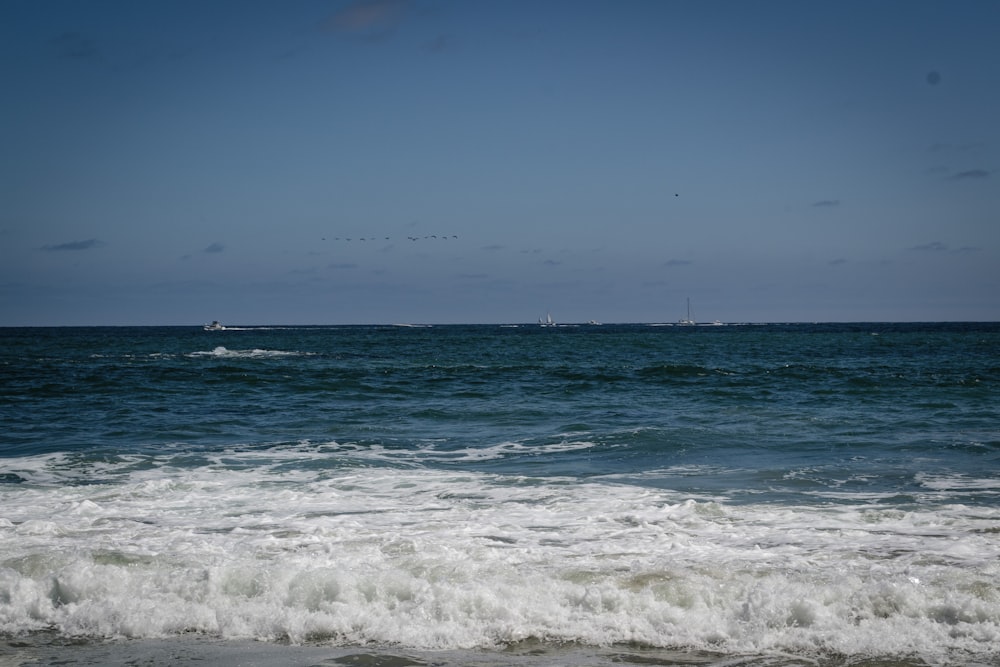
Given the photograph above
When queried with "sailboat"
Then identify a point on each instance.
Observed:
(548, 321)
(687, 321)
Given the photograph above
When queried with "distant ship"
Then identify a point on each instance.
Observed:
(214, 326)
(687, 321)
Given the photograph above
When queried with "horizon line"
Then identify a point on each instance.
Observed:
(403, 325)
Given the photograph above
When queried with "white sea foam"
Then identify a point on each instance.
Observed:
(430, 452)
(255, 353)
(958, 482)
(433, 560)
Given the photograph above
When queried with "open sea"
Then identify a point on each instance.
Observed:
(765, 495)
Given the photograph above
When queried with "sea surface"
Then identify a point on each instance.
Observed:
(446, 495)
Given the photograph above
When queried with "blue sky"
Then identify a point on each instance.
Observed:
(447, 161)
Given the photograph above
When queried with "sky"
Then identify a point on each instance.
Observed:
(174, 162)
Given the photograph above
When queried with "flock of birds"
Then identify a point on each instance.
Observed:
(429, 237)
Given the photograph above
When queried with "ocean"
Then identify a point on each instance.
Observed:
(823, 494)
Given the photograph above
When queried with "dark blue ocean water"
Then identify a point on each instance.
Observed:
(811, 490)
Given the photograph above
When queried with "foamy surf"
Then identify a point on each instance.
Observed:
(435, 560)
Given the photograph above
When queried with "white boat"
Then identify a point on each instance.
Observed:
(214, 326)
(548, 321)
(687, 321)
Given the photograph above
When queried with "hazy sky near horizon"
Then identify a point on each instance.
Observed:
(382, 161)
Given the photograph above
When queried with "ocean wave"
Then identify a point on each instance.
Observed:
(448, 560)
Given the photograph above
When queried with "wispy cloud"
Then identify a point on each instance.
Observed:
(73, 245)
(937, 246)
(74, 46)
(306, 271)
(973, 147)
(933, 246)
(971, 174)
(440, 44)
(215, 248)
(370, 19)
(826, 203)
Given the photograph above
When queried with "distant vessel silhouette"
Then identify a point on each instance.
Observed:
(687, 321)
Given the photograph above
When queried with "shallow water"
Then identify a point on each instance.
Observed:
(220, 653)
